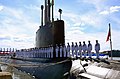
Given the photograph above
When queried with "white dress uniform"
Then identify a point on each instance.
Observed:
(51, 48)
(36, 55)
(64, 51)
(84, 48)
(44, 52)
(68, 50)
(80, 50)
(33, 54)
(61, 50)
(89, 49)
(76, 50)
(72, 49)
(97, 48)
(48, 52)
(56, 50)
(41, 52)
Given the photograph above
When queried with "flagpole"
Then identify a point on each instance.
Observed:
(110, 42)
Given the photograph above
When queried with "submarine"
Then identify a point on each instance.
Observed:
(48, 35)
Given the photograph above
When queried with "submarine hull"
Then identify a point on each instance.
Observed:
(48, 68)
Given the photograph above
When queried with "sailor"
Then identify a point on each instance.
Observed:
(68, 50)
(72, 49)
(29, 53)
(89, 49)
(84, 48)
(35, 52)
(16, 53)
(32, 52)
(38, 52)
(41, 52)
(80, 49)
(56, 50)
(51, 48)
(97, 48)
(48, 51)
(23, 53)
(61, 50)
(76, 49)
(64, 50)
(45, 51)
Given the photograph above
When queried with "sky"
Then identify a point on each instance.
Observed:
(84, 20)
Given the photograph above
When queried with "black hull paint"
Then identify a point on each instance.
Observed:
(48, 68)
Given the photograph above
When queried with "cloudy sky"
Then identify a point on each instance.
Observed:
(84, 20)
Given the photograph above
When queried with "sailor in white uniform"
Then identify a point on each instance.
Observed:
(41, 52)
(51, 48)
(80, 49)
(84, 48)
(45, 52)
(34, 52)
(64, 50)
(97, 48)
(49, 51)
(56, 50)
(61, 50)
(72, 49)
(76, 49)
(89, 49)
(68, 50)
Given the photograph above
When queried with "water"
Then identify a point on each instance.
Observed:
(115, 58)
(16, 74)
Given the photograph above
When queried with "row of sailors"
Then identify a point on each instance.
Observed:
(77, 50)
(36, 53)
(62, 51)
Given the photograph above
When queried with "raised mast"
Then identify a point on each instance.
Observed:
(42, 15)
(52, 10)
(45, 12)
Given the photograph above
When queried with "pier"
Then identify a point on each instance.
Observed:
(5, 75)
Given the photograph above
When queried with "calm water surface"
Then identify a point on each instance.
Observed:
(16, 74)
